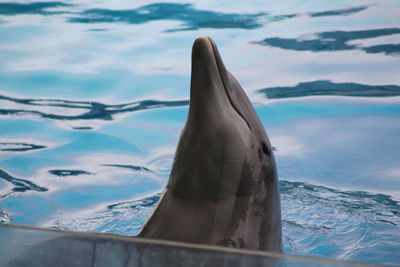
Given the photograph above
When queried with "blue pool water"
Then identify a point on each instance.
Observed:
(94, 94)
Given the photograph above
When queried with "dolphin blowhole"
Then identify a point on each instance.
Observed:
(223, 187)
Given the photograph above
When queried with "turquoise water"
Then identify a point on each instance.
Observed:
(94, 94)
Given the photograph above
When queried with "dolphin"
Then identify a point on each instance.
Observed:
(223, 187)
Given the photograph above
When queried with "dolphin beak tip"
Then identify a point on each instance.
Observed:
(202, 46)
(201, 41)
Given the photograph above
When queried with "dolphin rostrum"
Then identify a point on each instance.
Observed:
(223, 188)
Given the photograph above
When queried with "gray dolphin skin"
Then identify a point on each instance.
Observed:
(223, 187)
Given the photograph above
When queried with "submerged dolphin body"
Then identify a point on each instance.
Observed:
(223, 188)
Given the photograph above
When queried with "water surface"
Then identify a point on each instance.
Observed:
(94, 94)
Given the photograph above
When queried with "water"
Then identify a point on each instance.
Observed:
(94, 94)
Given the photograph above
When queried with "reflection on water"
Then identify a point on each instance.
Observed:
(340, 12)
(94, 96)
(31, 8)
(379, 208)
(336, 41)
(62, 173)
(4, 219)
(326, 221)
(125, 217)
(19, 147)
(388, 49)
(95, 110)
(130, 167)
(316, 218)
(193, 19)
(20, 185)
(330, 88)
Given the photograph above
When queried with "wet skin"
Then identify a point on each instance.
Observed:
(223, 188)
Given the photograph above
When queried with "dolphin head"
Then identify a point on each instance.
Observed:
(223, 186)
(223, 140)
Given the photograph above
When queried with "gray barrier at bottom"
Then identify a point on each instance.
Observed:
(28, 246)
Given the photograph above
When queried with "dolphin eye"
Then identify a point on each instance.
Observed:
(265, 149)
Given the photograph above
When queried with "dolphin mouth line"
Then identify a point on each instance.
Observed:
(221, 70)
(222, 188)
(186, 155)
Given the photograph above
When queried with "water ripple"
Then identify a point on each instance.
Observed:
(122, 218)
(21, 185)
(192, 18)
(31, 8)
(317, 220)
(63, 173)
(330, 88)
(18, 147)
(339, 12)
(130, 167)
(4, 218)
(328, 222)
(336, 41)
(95, 110)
